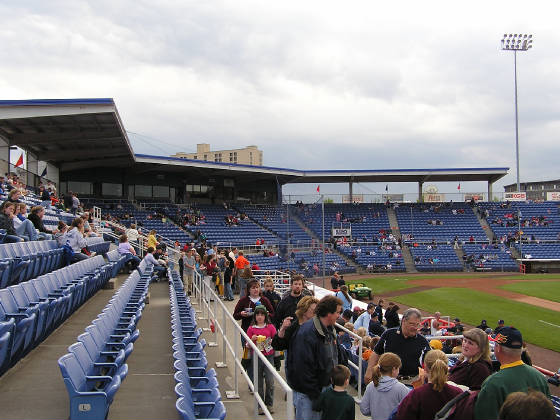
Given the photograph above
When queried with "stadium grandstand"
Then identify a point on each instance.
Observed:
(104, 337)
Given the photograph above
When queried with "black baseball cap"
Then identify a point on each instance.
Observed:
(509, 337)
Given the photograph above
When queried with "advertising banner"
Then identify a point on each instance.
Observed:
(515, 196)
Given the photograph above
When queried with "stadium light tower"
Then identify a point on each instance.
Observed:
(516, 42)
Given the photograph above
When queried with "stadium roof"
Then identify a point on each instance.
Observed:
(286, 175)
(76, 134)
(69, 133)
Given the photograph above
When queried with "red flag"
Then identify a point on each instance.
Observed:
(20, 161)
(459, 186)
(318, 188)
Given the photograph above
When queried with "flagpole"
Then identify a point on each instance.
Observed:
(323, 247)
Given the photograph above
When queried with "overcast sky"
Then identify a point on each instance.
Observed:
(314, 84)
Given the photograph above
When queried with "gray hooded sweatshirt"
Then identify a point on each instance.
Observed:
(380, 401)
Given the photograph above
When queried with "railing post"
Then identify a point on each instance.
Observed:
(213, 320)
(255, 378)
(361, 347)
(223, 363)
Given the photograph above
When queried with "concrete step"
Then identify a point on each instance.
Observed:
(484, 224)
(408, 260)
(459, 251)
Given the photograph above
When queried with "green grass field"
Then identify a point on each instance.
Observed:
(549, 290)
(539, 326)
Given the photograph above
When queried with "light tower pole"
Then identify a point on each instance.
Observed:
(516, 42)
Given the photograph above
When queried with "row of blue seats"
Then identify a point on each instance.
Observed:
(117, 261)
(98, 244)
(22, 261)
(198, 394)
(95, 367)
(30, 311)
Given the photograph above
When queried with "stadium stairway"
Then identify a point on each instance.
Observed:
(394, 223)
(408, 260)
(302, 225)
(460, 253)
(485, 226)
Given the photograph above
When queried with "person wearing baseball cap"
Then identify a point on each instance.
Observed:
(513, 376)
(500, 325)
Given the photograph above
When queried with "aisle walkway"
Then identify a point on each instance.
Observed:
(148, 391)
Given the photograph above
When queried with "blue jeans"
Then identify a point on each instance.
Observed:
(242, 286)
(266, 375)
(12, 239)
(303, 406)
(26, 228)
(227, 291)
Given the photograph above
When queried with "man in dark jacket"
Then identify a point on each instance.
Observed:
(312, 357)
(375, 327)
(287, 306)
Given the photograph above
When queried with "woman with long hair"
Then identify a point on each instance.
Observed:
(247, 304)
(384, 393)
(304, 312)
(425, 401)
(475, 364)
(343, 295)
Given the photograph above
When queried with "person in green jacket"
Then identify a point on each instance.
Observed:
(514, 375)
(335, 403)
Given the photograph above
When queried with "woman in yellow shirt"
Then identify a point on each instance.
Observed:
(152, 241)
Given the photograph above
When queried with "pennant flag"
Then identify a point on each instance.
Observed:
(387, 187)
(44, 173)
(318, 188)
(19, 161)
(459, 186)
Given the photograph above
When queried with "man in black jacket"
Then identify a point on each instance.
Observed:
(375, 327)
(312, 357)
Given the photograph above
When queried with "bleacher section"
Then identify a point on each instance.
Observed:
(435, 258)
(482, 257)
(369, 222)
(375, 257)
(538, 220)
(218, 233)
(441, 222)
(303, 263)
(539, 251)
(276, 219)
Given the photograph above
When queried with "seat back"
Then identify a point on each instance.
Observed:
(72, 372)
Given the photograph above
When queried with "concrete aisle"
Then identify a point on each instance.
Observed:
(33, 388)
(148, 390)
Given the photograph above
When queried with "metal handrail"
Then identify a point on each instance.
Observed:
(204, 295)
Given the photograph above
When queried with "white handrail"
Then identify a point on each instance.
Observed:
(204, 294)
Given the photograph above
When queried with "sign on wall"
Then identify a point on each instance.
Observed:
(341, 232)
(515, 196)
(553, 196)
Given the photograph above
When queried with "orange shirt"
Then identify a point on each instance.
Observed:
(241, 262)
